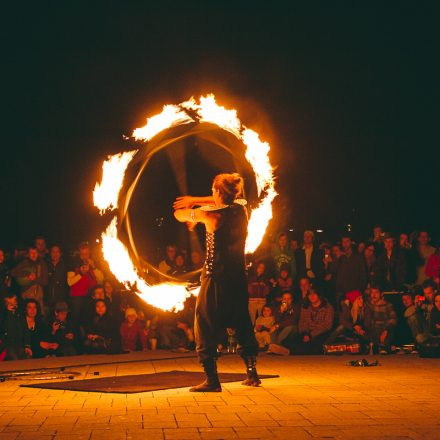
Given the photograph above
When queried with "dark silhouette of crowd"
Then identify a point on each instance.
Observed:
(374, 296)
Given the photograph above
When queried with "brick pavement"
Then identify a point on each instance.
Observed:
(315, 397)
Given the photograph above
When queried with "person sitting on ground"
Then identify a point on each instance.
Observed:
(383, 320)
(101, 336)
(13, 334)
(61, 330)
(258, 289)
(285, 327)
(426, 301)
(415, 319)
(315, 324)
(133, 335)
(36, 329)
(354, 320)
(31, 275)
(264, 326)
(434, 318)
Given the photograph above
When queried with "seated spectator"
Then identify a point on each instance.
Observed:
(258, 289)
(36, 329)
(31, 275)
(304, 287)
(13, 334)
(309, 259)
(285, 327)
(315, 323)
(133, 335)
(101, 336)
(390, 267)
(56, 290)
(264, 326)
(354, 320)
(175, 332)
(434, 319)
(426, 301)
(415, 318)
(61, 331)
(89, 305)
(383, 321)
(113, 300)
(82, 277)
(196, 260)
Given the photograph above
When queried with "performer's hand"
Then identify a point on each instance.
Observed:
(184, 202)
(191, 226)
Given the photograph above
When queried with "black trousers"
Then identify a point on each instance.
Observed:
(220, 305)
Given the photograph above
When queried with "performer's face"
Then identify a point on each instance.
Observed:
(216, 195)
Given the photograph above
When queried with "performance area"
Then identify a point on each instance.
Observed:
(313, 397)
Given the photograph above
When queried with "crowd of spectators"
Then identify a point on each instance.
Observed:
(303, 296)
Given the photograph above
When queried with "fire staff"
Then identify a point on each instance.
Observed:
(223, 300)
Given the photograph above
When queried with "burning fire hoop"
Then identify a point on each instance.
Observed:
(193, 118)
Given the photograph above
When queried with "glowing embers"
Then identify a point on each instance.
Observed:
(171, 296)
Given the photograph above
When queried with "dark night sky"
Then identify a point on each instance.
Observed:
(345, 94)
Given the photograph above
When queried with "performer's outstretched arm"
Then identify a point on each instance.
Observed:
(186, 202)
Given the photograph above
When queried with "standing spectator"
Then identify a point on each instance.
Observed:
(196, 260)
(432, 269)
(264, 326)
(133, 335)
(31, 276)
(282, 255)
(170, 260)
(258, 289)
(361, 247)
(434, 318)
(309, 260)
(404, 241)
(354, 320)
(5, 279)
(315, 323)
(383, 320)
(41, 246)
(179, 266)
(377, 240)
(13, 334)
(56, 290)
(424, 251)
(390, 268)
(285, 327)
(351, 273)
(370, 262)
(62, 331)
(293, 244)
(81, 278)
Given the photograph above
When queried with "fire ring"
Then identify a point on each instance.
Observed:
(186, 119)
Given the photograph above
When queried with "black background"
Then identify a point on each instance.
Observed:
(346, 94)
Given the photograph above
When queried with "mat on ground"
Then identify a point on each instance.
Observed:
(139, 383)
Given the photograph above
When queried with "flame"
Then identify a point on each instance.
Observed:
(106, 193)
(171, 116)
(165, 296)
(172, 296)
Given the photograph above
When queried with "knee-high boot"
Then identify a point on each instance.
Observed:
(212, 383)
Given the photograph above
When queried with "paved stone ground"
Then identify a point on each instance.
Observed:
(315, 397)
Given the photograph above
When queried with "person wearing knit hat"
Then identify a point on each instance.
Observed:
(132, 331)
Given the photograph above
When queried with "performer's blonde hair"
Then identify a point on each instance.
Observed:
(229, 186)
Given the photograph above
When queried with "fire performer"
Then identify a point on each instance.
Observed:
(222, 301)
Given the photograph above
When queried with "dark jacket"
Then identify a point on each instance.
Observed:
(316, 263)
(25, 268)
(434, 320)
(13, 332)
(351, 274)
(56, 290)
(390, 273)
(363, 320)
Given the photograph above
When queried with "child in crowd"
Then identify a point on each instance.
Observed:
(264, 327)
(133, 335)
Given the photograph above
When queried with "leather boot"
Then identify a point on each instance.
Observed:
(211, 384)
(252, 379)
